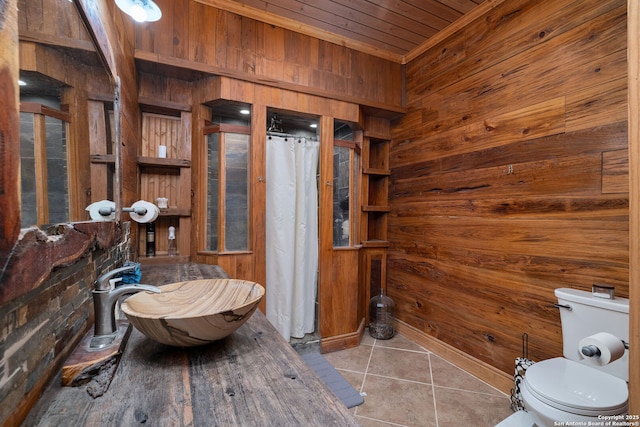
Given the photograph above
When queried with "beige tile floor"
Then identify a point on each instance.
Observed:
(406, 385)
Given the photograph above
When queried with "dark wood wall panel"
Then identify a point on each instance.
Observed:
(52, 21)
(221, 40)
(510, 176)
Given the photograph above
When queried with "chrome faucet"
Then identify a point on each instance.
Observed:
(105, 297)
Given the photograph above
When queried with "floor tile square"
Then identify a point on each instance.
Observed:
(447, 375)
(352, 359)
(459, 408)
(401, 364)
(398, 401)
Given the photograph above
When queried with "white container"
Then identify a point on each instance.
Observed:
(162, 151)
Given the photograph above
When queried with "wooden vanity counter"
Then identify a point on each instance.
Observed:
(251, 378)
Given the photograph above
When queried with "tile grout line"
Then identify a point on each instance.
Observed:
(433, 390)
(366, 370)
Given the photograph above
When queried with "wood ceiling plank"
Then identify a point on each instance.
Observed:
(341, 20)
(389, 19)
(393, 54)
(426, 10)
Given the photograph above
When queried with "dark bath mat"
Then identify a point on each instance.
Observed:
(332, 378)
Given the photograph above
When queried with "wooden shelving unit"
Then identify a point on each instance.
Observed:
(375, 181)
(168, 177)
(375, 209)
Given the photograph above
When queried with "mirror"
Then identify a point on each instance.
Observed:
(67, 118)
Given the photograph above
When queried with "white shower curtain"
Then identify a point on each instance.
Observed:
(292, 234)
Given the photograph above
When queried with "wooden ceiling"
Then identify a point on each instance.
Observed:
(392, 29)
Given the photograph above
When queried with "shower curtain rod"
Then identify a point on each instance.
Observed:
(289, 135)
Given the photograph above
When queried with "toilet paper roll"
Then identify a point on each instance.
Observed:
(150, 215)
(106, 206)
(611, 348)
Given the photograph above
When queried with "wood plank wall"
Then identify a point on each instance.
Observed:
(9, 133)
(203, 37)
(633, 47)
(510, 176)
(55, 23)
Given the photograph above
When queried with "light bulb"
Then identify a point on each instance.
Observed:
(138, 13)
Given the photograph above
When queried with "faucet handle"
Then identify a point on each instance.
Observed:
(104, 282)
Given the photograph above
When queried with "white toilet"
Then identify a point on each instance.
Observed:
(573, 388)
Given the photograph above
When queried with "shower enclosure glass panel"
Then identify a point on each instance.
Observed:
(213, 190)
(228, 192)
(341, 195)
(236, 192)
(346, 164)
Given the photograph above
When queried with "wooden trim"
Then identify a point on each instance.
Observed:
(462, 22)
(344, 143)
(35, 108)
(57, 41)
(633, 52)
(344, 341)
(222, 190)
(159, 106)
(103, 158)
(487, 373)
(298, 27)
(40, 155)
(171, 61)
(243, 130)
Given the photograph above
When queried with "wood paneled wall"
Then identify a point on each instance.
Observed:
(10, 133)
(201, 37)
(51, 22)
(510, 176)
(633, 47)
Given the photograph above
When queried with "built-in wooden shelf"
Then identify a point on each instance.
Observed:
(169, 125)
(375, 208)
(175, 212)
(163, 163)
(375, 244)
(373, 171)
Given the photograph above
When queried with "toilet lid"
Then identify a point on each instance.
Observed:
(577, 388)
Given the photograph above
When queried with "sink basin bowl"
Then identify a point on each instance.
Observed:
(194, 312)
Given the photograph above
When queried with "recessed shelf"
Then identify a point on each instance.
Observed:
(374, 208)
(373, 171)
(163, 163)
(375, 244)
(175, 212)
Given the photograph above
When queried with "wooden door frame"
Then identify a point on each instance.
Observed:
(633, 90)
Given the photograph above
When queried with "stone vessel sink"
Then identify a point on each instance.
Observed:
(194, 312)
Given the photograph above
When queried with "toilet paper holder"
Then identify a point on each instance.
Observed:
(594, 351)
(141, 211)
(106, 210)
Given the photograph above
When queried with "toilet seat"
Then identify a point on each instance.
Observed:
(576, 388)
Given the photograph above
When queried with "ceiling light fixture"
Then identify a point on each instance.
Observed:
(21, 83)
(140, 10)
(313, 125)
(245, 112)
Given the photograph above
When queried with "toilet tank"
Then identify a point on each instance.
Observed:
(590, 315)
